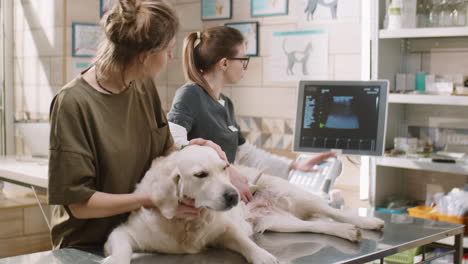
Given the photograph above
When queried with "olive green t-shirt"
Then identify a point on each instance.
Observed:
(100, 142)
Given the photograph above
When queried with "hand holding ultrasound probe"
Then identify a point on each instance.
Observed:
(345, 116)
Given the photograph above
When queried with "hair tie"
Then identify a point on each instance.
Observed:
(198, 40)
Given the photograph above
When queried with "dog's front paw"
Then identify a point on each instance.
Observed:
(371, 223)
(263, 257)
(350, 232)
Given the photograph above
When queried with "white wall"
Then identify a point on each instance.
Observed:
(344, 55)
(43, 62)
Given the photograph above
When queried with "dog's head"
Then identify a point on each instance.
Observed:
(197, 172)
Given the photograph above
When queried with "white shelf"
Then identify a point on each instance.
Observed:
(421, 164)
(433, 99)
(424, 32)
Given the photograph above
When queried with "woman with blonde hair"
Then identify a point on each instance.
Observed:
(212, 59)
(107, 125)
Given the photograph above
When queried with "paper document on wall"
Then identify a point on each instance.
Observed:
(298, 55)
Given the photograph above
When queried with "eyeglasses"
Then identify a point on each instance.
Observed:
(245, 61)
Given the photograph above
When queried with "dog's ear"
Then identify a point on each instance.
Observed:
(167, 192)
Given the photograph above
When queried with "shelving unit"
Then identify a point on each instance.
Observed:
(393, 51)
(421, 164)
(431, 99)
(424, 33)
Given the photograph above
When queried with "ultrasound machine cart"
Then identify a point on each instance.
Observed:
(345, 116)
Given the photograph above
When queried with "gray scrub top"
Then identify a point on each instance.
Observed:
(203, 117)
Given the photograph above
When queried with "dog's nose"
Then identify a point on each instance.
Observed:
(231, 198)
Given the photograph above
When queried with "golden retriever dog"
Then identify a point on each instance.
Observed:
(198, 173)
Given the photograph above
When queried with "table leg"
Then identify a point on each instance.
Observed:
(2, 195)
(42, 209)
(458, 255)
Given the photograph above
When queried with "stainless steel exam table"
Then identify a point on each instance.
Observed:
(401, 233)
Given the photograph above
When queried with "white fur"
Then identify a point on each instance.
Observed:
(276, 206)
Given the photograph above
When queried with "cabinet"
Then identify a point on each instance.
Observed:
(434, 50)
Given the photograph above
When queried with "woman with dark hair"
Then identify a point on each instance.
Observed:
(107, 125)
(212, 59)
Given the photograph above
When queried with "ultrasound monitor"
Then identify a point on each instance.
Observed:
(347, 116)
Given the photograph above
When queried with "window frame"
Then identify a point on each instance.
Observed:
(7, 143)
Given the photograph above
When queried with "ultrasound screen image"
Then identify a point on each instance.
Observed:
(340, 117)
(343, 114)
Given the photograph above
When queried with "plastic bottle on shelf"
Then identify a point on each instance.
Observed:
(394, 14)
(458, 14)
(445, 18)
(434, 13)
(422, 13)
(465, 8)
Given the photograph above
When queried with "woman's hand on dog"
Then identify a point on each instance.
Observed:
(211, 144)
(308, 164)
(240, 183)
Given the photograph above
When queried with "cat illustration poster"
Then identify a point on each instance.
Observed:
(298, 55)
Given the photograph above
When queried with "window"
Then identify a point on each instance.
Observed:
(2, 81)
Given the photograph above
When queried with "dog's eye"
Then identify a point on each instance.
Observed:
(201, 174)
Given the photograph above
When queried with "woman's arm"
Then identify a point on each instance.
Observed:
(251, 156)
(102, 204)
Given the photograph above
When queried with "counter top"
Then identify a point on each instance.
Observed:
(25, 171)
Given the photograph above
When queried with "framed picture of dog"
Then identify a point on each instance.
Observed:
(105, 6)
(216, 9)
(261, 8)
(250, 32)
(85, 38)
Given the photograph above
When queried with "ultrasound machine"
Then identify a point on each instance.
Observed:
(347, 117)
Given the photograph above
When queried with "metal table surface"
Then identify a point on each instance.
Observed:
(401, 233)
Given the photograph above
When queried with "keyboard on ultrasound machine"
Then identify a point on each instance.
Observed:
(319, 182)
